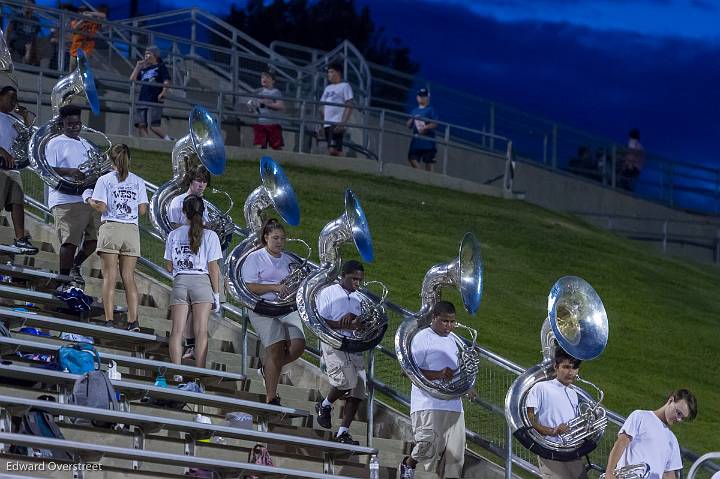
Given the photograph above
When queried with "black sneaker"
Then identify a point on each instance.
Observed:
(109, 324)
(133, 327)
(76, 276)
(275, 401)
(25, 246)
(405, 471)
(346, 438)
(324, 414)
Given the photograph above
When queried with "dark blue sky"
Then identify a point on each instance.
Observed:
(600, 65)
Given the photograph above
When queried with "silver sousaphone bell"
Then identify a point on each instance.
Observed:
(464, 273)
(577, 323)
(275, 192)
(352, 226)
(202, 145)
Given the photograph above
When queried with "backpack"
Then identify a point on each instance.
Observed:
(259, 455)
(78, 358)
(37, 422)
(94, 389)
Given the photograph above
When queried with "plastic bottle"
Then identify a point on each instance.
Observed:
(374, 467)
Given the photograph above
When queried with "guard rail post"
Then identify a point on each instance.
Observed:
(492, 126)
(380, 140)
(301, 130)
(447, 147)
(613, 169)
(508, 453)
(371, 397)
(554, 153)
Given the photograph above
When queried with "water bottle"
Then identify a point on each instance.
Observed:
(374, 467)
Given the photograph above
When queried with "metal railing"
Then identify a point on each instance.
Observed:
(486, 426)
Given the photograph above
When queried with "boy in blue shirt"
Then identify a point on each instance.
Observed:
(422, 121)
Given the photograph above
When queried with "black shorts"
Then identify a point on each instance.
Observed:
(335, 140)
(424, 156)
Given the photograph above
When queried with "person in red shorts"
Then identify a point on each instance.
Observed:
(267, 131)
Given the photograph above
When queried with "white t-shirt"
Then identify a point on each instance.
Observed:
(8, 133)
(122, 198)
(65, 152)
(260, 267)
(177, 250)
(554, 403)
(335, 93)
(334, 302)
(434, 352)
(175, 212)
(652, 442)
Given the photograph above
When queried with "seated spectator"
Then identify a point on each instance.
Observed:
(268, 131)
(21, 34)
(151, 69)
(336, 114)
(632, 161)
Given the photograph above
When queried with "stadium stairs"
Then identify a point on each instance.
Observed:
(161, 442)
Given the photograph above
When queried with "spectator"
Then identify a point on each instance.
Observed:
(423, 123)
(438, 424)
(340, 306)
(268, 131)
(76, 222)
(84, 31)
(192, 253)
(21, 35)
(151, 69)
(336, 114)
(632, 162)
(12, 198)
(121, 197)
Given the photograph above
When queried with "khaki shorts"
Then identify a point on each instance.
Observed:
(11, 192)
(272, 330)
(439, 441)
(119, 238)
(550, 469)
(191, 289)
(346, 371)
(75, 222)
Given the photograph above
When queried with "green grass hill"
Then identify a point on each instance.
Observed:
(664, 313)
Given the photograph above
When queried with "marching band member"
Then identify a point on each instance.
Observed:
(12, 197)
(121, 197)
(197, 180)
(438, 424)
(192, 253)
(646, 437)
(281, 336)
(550, 406)
(339, 305)
(77, 222)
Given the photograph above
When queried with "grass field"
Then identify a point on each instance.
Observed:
(664, 313)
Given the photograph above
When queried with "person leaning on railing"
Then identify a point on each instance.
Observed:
(121, 197)
(151, 69)
(336, 115)
(267, 131)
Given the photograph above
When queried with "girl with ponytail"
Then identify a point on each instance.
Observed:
(121, 197)
(192, 253)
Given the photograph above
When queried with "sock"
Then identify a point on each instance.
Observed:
(326, 403)
(341, 430)
(167, 137)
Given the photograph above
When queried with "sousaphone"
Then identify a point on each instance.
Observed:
(350, 226)
(81, 82)
(275, 192)
(464, 273)
(577, 323)
(202, 145)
